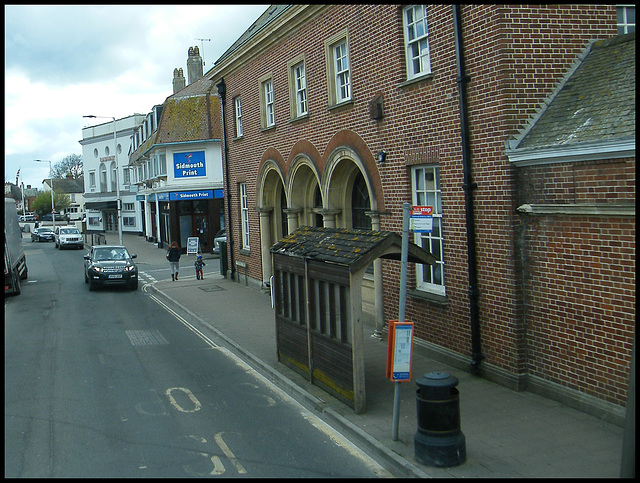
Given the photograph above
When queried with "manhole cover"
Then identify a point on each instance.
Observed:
(211, 288)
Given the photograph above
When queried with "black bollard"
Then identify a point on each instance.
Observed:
(439, 440)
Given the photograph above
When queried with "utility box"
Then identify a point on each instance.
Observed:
(439, 440)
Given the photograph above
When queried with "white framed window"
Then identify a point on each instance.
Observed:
(300, 89)
(416, 40)
(103, 178)
(163, 164)
(426, 191)
(626, 19)
(238, 117)
(343, 79)
(338, 68)
(129, 221)
(128, 207)
(114, 176)
(126, 175)
(244, 215)
(92, 179)
(267, 108)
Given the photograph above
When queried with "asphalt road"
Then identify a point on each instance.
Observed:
(111, 384)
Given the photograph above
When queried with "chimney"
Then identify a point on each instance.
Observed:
(194, 64)
(178, 80)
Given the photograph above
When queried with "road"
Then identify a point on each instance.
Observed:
(110, 384)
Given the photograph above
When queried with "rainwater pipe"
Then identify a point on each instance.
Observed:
(222, 92)
(468, 186)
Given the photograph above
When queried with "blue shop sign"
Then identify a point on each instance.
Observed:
(191, 195)
(189, 165)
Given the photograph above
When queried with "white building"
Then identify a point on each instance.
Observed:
(105, 161)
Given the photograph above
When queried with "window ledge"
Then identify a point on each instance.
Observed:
(268, 128)
(341, 104)
(416, 80)
(429, 297)
(244, 251)
(238, 138)
(304, 117)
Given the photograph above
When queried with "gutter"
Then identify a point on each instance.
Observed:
(469, 186)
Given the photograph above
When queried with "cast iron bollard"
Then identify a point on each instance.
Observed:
(439, 440)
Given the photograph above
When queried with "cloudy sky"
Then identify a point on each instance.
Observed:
(63, 62)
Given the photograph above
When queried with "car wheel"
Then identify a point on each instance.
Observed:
(86, 279)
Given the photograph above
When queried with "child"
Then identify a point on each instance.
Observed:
(199, 264)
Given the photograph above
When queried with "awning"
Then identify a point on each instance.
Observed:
(101, 205)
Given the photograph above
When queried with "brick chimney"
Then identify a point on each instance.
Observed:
(194, 64)
(178, 80)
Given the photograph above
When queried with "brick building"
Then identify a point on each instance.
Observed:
(336, 115)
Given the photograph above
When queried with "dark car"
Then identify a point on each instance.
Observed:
(59, 217)
(110, 265)
(44, 233)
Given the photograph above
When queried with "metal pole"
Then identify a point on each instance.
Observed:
(118, 200)
(406, 209)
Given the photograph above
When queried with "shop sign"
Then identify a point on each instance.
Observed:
(189, 165)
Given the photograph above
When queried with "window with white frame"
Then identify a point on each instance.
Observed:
(626, 19)
(426, 191)
(266, 103)
(129, 221)
(128, 207)
(300, 89)
(126, 175)
(338, 68)
(103, 178)
(114, 176)
(416, 40)
(92, 180)
(238, 117)
(162, 157)
(244, 215)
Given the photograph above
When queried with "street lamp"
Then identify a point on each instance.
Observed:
(115, 153)
(53, 211)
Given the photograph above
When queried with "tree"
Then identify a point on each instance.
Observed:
(42, 203)
(70, 166)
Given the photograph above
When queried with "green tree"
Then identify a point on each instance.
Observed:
(70, 166)
(42, 203)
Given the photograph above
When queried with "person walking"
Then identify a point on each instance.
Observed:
(173, 255)
(199, 264)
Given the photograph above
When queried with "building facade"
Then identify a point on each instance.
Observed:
(336, 115)
(105, 164)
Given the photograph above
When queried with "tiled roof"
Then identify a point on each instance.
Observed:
(352, 248)
(67, 185)
(595, 102)
(195, 118)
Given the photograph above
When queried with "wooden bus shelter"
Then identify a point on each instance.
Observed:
(317, 285)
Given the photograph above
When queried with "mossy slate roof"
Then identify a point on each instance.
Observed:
(348, 247)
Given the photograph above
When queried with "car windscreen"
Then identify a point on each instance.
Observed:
(69, 231)
(110, 254)
(42, 230)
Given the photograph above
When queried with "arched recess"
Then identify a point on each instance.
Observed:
(271, 196)
(303, 188)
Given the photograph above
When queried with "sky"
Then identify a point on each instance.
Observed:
(64, 62)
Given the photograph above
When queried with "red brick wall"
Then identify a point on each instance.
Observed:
(515, 56)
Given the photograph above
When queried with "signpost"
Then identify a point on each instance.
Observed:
(192, 245)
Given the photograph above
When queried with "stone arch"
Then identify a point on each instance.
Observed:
(302, 184)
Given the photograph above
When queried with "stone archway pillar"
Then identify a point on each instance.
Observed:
(329, 217)
(377, 280)
(265, 243)
(292, 218)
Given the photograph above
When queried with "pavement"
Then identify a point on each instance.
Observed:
(507, 433)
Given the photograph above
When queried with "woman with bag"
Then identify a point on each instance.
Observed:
(173, 255)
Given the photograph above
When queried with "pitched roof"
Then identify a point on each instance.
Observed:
(67, 185)
(595, 103)
(352, 248)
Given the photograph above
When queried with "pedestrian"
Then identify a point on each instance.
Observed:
(199, 264)
(173, 255)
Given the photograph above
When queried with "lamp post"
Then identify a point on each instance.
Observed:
(115, 153)
(53, 211)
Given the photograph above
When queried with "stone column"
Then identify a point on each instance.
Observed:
(265, 243)
(377, 280)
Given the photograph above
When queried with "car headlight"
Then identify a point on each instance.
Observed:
(129, 268)
(98, 269)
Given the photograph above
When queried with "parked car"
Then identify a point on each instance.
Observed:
(27, 218)
(110, 265)
(43, 233)
(220, 236)
(68, 236)
(59, 217)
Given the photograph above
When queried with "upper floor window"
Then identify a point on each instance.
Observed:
(238, 117)
(300, 87)
(163, 163)
(626, 19)
(266, 103)
(92, 179)
(338, 69)
(426, 191)
(103, 178)
(416, 40)
(114, 176)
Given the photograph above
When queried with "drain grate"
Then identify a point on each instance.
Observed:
(211, 288)
(146, 337)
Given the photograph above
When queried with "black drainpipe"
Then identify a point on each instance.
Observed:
(222, 92)
(469, 186)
